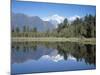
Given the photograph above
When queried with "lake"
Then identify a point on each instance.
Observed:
(34, 57)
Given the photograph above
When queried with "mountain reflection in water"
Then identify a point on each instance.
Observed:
(43, 57)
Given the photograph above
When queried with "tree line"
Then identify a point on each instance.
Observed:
(80, 27)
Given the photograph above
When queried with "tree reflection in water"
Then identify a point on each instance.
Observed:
(24, 51)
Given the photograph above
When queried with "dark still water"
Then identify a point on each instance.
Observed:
(48, 57)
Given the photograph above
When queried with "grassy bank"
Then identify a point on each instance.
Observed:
(54, 39)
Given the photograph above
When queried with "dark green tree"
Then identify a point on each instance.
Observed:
(17, 29)
(65, 23)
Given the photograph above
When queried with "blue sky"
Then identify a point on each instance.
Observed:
(47, 9)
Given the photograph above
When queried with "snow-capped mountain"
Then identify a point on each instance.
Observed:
(54, 19)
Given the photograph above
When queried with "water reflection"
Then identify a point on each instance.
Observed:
(42, 57)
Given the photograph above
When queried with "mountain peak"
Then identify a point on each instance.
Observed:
(54, 19)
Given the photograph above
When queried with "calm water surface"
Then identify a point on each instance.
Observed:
(48, 57)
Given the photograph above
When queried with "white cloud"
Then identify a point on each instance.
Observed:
(72, 18)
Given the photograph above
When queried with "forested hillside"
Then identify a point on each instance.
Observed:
(84, 27)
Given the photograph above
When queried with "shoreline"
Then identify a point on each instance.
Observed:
(54, 39)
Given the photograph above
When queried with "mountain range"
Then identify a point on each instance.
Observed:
(41, 24)
(20, 20)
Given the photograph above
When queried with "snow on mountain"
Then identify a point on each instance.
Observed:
(54, 19)
(72, 18)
